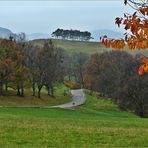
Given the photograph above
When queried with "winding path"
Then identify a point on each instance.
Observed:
(78, 98)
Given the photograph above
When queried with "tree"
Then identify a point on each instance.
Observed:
(103, 71)
(31, 59)
(75, 67)
(21, 79)
(10, 55)
(18, 38)
(137, 25)
(79, 59)
(72, 34)
(49, 68)
(114, 75)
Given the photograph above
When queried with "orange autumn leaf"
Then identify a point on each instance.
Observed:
(137, 29)
(144, 67)
(140, 71)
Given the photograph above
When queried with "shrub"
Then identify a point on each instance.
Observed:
(72, 84)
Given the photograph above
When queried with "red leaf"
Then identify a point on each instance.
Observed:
(118, 21)
(140, 71)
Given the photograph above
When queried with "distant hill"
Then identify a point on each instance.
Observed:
(4, 33)
(111, 34)
(81, 46)
(74, 46)
(37, 36)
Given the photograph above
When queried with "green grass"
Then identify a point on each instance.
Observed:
(75, 46)
(84, 47)
(28, 100)
(98, 123)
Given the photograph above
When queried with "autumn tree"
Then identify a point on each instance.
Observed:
(8, 58)
(49, 67)
(136, 36)
(136, 25)
(11, 58)
(31, 53)
(103, 71)
(114, 74)
(21, 79)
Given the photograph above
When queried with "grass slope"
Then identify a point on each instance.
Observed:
(74, 46)
(84, 47)
(28, 100)
(98, 123)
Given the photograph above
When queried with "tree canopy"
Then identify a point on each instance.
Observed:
(136, 26)
(72, 34)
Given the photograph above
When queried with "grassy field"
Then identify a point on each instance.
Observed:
(84, 47)
(75, 46)
(98, 123)
(28, 100)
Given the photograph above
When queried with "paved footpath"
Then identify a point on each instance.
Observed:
(78, 98)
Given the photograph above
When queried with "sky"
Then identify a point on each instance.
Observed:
(46, 16)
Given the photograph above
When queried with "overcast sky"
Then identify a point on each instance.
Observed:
(46, 16)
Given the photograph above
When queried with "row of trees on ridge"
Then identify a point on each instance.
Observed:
(72, 34)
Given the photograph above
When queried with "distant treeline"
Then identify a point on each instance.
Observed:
(72, 34)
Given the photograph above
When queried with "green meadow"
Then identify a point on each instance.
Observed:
(98, 123)
(84, 47)
(12, 100)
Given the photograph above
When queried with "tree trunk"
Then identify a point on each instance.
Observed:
(1, 89)
(18, 91)
(48, 90)
(69, 77)
(6, 86)
(52, 91)
(22, 91)
(33, 89)
(39, 91)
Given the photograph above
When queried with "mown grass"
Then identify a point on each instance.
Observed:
(11, 99)
(98, 123)
(84, 47)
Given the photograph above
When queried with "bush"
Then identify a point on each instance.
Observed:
(72, 84)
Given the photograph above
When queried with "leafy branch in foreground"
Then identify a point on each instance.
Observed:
(136, 26)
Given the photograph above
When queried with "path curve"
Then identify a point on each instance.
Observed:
(78, 98)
